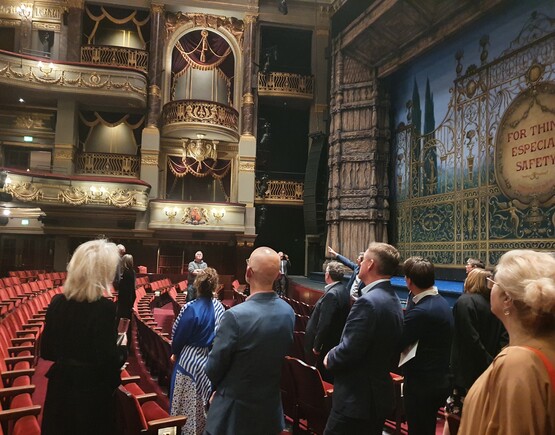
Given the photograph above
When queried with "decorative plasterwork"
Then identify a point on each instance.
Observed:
(73, 79)
(233, 25)
(63, 154)
(52, 27)
(9, 23)
(149, 159)
(247, 166)
(78, 193)
(197, 216)
(47, 12)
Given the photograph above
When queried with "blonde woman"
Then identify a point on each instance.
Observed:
(80, 337)
(516, 394)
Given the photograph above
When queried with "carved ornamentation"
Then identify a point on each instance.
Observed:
(149, 159)
(107, 164)
(174, 21)
(68, 77)
(52, 27)
(47, 13)
(246, 166)
(195, 216)
(63, 154)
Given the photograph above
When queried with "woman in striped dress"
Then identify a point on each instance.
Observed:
(192, 336)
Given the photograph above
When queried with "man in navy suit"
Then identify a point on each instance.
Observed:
(355, 285)
(363, 390)
(245, 363)
(428, 321)
(326, 323)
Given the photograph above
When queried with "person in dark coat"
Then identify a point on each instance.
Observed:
(126, 293)
(428, 324)
(363, 393)
(327, 320)
(479, 335)
(80, 337)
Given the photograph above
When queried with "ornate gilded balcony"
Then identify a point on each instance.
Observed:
(84, 191)
(282, 192)
(115, 56)
(87, 84)
(186, 118)
(113, 165)
(281, 84)
(197, 217)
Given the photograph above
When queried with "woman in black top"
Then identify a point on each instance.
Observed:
(126, 292)
(80, 337)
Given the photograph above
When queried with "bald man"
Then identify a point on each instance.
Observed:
(244, 365)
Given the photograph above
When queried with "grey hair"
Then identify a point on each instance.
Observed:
(335, 270)
(91, 271)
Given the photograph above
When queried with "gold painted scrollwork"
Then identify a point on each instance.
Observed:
(73, 195)
(25, 192)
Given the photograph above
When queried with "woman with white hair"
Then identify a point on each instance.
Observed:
(80, 337)
(516, 394)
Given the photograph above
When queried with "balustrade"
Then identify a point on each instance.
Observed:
(121, 165)
(115, 56)
(281, 83)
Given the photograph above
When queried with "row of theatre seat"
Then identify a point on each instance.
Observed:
(37, 275)
(20, 331)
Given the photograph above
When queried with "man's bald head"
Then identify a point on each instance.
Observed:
(262, 269)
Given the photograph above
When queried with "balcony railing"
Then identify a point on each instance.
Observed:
(279, 192)
(91, 84)
(115, 56)
(285, 84)
(218, 118)
(118, 165)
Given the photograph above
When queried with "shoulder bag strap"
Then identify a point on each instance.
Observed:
(548, 366)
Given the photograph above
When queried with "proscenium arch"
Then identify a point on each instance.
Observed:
(235, 49)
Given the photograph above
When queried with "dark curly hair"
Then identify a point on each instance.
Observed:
(207, 282)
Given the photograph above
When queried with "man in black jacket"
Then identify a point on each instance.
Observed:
(429, 324)
(326, 323)
(363, 393)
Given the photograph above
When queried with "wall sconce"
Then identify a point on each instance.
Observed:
(218, 214)
(97, 193)
(24, 11)
(46, 70)
(171, 212)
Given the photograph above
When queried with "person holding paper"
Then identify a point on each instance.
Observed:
(428, 325)
(80, 337)
(363, 393)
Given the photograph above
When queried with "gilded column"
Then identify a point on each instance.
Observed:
(72, 36)
(155, 63)
(249, 84)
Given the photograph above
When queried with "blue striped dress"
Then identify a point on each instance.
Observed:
(192, 335)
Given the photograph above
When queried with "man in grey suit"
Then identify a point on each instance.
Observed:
(326, 323)
(245, 363)
(363, 390)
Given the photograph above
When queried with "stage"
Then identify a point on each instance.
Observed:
(310, 289)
